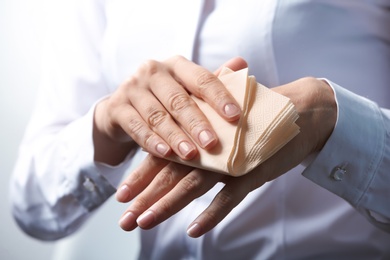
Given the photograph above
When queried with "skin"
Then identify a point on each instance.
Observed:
(160, 188)
(145, 108)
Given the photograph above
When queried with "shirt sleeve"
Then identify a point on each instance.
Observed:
(354, 163)
(56, 184)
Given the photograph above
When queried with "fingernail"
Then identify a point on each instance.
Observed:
(146, 219)
(186, 149)
(127, 221)
(162, 149)
(123, 193)
(194, 230)
(231, 110)
(206, 137)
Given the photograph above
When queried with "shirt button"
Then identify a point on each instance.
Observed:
(89, 185)
(338, 173)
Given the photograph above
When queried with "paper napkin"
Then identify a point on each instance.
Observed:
(267, 123)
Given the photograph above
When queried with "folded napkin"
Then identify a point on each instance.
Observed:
(266, 124)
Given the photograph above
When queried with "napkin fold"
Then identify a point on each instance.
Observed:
(266, 124)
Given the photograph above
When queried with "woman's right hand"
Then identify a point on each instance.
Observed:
(159, 189)
(153, 107)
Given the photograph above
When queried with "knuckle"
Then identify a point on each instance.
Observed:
(173, 137)
(165, 178)
(114, 103)
(220, 96)
(195, 123)
(138, 132)
(135, 177)
(147, 140)
(212, 218)
(165, 206)
(179, 102)
(204, 80)
(191, 184)
(135, 126)
(130, 82)
(140, 204)
(150, 67)
(225, 200)
(156, 117)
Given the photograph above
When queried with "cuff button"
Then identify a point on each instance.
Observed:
(338, 173)
(89, 185)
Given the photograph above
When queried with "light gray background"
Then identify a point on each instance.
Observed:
(21, 33)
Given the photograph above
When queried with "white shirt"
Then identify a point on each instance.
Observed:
(94, 45)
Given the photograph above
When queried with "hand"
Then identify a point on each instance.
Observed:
(150, 107)
(163, 188)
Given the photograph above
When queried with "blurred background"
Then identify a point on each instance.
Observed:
(21, 35)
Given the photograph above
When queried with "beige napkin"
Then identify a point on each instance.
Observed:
(267, 123)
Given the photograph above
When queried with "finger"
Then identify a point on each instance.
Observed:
(229, 197)
(206, 86)
(234, 64)
(161, 122)
(131, 122)
(164, 181)
(178, 103)
(237, 188)
(184, 110)
(192, 186)
(140, 178)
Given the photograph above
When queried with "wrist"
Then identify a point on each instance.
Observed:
(327, 110)
(110, 146)
(315, 103)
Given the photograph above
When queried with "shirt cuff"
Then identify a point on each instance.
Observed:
(349, 160)
(90, 182)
